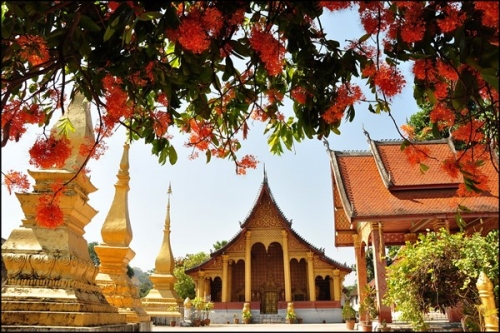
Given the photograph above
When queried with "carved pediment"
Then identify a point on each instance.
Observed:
(266, 216)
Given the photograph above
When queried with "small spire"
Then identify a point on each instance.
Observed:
(164, 263)
(169, 192)
(167, 220)
(265, 173)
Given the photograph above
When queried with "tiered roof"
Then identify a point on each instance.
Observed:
(381, 185)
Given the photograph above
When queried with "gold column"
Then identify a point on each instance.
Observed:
(310, 276)
(485, 288)
(225, 259)
(286, 267)
(379, 263)
(248, 267)
(360, 268)
(336, 285)
(208, 289)
(201, 292)
(230, 281)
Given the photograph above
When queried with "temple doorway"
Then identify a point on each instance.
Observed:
(270, 302)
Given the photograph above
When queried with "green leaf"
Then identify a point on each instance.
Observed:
(239, 48)
(491, 80)
(464, 209)
(423, 168)
(364, 38)
(217, 83)
(459, 96)
(148, 16)
(229, 70)
(172, 155)
(405, 144)
(110, 30)
(88, 24)
(208, 154)
(431, 96)
(127, 36)
(65, 126)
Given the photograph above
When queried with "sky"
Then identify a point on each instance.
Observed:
(209, 200)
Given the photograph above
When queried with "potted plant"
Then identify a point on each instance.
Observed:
(197, 303)
(207, 307)
(349, 315)
(246, 316)
(236, 320)
(368, 309)
(290, 317)
(383, 326)
(173, 308)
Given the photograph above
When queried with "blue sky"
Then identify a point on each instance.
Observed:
(209, 200)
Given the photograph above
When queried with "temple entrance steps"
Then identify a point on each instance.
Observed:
(268, 319)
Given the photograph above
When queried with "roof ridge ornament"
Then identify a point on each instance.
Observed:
(366, 132)
(327, 144)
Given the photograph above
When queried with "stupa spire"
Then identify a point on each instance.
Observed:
(78, 115)
(116, 229)
(162, 300)
(115, 253)
(164, 263)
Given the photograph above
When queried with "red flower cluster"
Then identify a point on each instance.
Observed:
(248, 161)
(93, 149)
(48, 212)
(162, 120)
(117, 103)
(299, 95)
(16, 180)
(201, 134)
(50, 152)
(442, 116)
(389, 80)
(346, 95)
(197, 27)
(16, 116)
(33, 49)
(416, 155)
(269, 49)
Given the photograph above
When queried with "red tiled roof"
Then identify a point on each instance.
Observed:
(403, 173)
(365, 195)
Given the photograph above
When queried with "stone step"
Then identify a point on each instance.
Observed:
(268, 319)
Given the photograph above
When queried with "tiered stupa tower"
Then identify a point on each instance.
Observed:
(115, 254)
(162, 300)
(50, 276)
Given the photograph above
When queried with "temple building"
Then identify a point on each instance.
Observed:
(381, 199)
(268, 265)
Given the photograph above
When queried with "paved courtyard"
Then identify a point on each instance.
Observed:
(340, 327)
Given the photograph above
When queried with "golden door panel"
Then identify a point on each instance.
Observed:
(271, 302)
